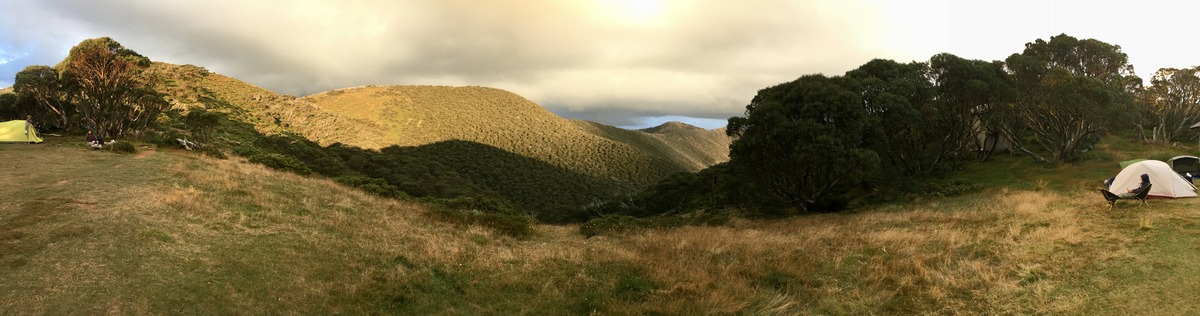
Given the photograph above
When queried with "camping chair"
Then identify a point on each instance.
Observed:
(1112, 197)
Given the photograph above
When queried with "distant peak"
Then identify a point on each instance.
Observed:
(670, 126)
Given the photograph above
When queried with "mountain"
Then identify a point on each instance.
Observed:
(496, 141)
(418, 115)
(690, 147)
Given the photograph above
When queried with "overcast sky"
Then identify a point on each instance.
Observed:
(621, 62)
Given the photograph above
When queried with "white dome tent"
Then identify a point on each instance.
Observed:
(1166, 183)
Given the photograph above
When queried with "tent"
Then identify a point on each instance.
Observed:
(1186, 165)
(1130, 162)
(18, 132)
(1166, 182)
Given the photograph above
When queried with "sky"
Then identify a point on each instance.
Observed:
(629, 63)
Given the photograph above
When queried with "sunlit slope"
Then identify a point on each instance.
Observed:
(419, 115)
(269, 112)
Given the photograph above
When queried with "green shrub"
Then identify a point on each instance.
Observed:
(280, 162)
(483, 204)
(164, 138)
(123, 147)
(212, 152)
(613, 225)
(634, 287)
(375, 186)
(510, 225)
(202, 123)
(947, 188)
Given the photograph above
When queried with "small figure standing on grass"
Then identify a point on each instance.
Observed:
(29, 126)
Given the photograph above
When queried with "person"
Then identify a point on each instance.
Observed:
(1143, 185)
(94, 140)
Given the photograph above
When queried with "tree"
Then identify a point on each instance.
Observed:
(8, 106)
(898, 102)
(972, 94)
(107, 83)
(202, 123)
(1070, 92)
(1172, 102)
(44, 91)
(800, 140)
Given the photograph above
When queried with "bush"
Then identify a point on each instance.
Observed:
(510, 225)
(483, 204)
(165, 137)
(202, 123)
(212, 152)
(948, 188)
(613, 225)
(281, 162)
(123, 147)
(375, 186)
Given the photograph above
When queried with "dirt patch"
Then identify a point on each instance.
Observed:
(36, 211)
(145, 153)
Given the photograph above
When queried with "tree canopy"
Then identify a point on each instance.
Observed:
(1070, 92)
(1172, 102)
(800, 140)
(45, 96)
(107, 83)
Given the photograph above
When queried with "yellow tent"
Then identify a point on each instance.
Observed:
(18, 132)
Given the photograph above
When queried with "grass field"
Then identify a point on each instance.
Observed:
(169, 232)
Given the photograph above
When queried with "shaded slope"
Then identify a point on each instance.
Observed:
(688, 146)
(528, 182)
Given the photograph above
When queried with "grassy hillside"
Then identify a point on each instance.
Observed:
(596, 161)
(418, 115)
(171, 232)
(269, 112)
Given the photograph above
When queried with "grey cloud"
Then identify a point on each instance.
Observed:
(703, 58)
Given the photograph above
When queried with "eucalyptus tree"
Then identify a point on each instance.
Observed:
(1069, 92)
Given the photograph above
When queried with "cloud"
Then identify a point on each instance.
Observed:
(702, 58)
(611, 60)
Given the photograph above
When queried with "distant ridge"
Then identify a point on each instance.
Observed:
(691, 147)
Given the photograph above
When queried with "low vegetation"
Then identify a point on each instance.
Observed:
(178, 232)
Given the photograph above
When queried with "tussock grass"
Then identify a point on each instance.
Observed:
(177, 232)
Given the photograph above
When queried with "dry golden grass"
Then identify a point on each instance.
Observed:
(179, 233)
